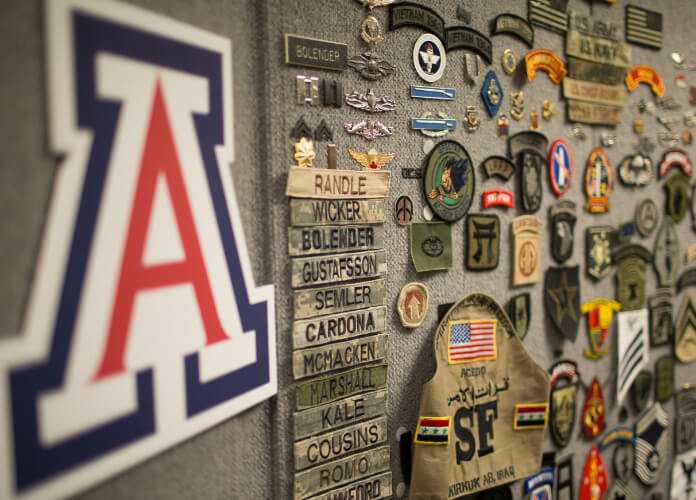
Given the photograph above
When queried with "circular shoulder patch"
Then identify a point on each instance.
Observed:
(448, 181)
(429, 57)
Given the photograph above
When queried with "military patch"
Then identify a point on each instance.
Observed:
(429, 57)
(600, 313)
(562, 227)
(599, 181)
(683, 483)
(636, 170)
(616, 435)
(622, 459)
(508, 61)
(564, 477)
(449, 180)
(632, 349)
(678, 191)
(471, 340)
(598, 251)
(546, 61)
(560, 167)
(666, 254)
(372, 159)
(482, 242)
(433, 430)
(664, 378)
(661, 323)
(564, 390)
(651, 444)
(646, 217)
(562, 299)
(641, 73)
(520, 312)
(498, 166)
(497, 197)
(530, 416)
(631, 261)
(517, 26)
(403, 210)
(641, 390)
(526, 230)
(675, 158)
(528, 149)
(619, 491)
(594, 482)
(686, 279)
(685, 332)
(685, 425)
(593, 411)
(412, 304)
(597, 49)
(492, 93)
(540, 485)
(431, 246)
(624, 233)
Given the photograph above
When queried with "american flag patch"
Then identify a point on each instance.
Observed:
(432, 430)
(472, 340)
(530, 416)
(549, 14)
(643, 27)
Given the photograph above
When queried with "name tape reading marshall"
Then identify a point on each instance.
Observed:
(320, 449)
(340, 472)
(328, 239)
(338, 298)
(326, 269)
(343, 212)
(325, 183)
(374, 487)
(332, 357)
(325, 329)
(330, 389)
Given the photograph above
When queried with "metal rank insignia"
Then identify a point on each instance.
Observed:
(517, 105)
(636, 170)
(564, 390)
(508, 61)
(434, 127)
(641, 390)
(594, 482)
(666, 254)
(307, 90)
(372, 160)
(678, 191)
(449, 181)
(600, 313)
(685, 331)
(370, 102)
(368, 129)
(599, 181)
(561, 167)
(304, 152)
(370, 66)
(526, 230)
(685, 425)
(492, 93)
(412, 304)
(429, 57)
(651, 444)
(631, 261)
(646, 217)
(562, 227)
(593, 411)
(547, 110)
(664, 378)
(472, 119)
(661, 322)
(482, 242)
(562, 299)
(598, 251)
(520, 312)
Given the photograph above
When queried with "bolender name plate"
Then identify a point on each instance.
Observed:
(315, 53)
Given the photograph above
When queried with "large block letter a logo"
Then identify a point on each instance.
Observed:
(144, 326)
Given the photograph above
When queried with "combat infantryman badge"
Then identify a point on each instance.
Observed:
(678, 191)
(661, 323)
(594, 483)
(492, 93)
(600, 313)
(429, 57)
(562, 216)
(482, 242)
(599, 181)
(593, 411)
(632, 261)
(412, 304)
(526, 230)
(598, 251)
(685, 333)
(564, 390)
(666, 254)
(651, 444)
(562, 298)
(685, 425)
(449, 181)
(560, 167)
(664, 378)
(520, 312)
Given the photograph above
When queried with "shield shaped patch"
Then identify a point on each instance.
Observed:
(562, 298)
(685, 333)
(685, 426)
(631, 260)
(661, 323)
(600, 313)
(599, 181)
(666, 253)
(678, 191)
(562, 216)
(525, 268)
(519, 309)
(598, 251)
(593, 411)
(564, 390)
(622, 460)
(529, 151)
(482, 242)
(651, 444)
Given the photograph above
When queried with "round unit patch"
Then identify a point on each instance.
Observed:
(560, 167)
(429, 57)
(448, 181)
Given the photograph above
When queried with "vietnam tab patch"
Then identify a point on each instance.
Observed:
(471, 340)
(530, 416)
(432, 430)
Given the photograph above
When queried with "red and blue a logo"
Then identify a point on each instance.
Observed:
(560, 167)
(144, 326)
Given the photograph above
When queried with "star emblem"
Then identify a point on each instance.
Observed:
(563, 298)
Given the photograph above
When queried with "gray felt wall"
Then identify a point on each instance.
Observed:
(250, 456)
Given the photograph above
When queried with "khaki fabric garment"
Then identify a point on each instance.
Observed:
(472, 393)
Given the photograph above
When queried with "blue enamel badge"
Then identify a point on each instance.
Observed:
(492, 93)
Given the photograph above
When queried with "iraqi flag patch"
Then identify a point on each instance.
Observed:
(432, 430)
(530, 416)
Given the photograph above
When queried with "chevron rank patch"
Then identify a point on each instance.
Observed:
(432, 430)
(530, 416)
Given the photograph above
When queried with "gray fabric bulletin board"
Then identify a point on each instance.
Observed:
(250, 456)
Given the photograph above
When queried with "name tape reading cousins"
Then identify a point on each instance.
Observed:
(338, 270)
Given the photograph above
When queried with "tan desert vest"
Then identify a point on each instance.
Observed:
(483, 414)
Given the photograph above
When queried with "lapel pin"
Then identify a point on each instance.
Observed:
(370, 102)
(370, 66)
(370, 130)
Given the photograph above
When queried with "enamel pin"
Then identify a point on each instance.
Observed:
(508, 61)
(370, 66)
(492, 93)
(517, 105)
(370, 29)
(369, 130)
(646, 217)
(600, 313)
(449, 180)
(666, 254)
(526, 230)
(433, 93)
(599, 181)
(412, 304)
(598, 251)
(482, 242)
(434, 127)
(560, 167)
(519, 310)
(593, 411)
(631, 261)
(594, 482)
(472, 119)
(562, 226)
(372, 160)
(562, 299)
(429, 57)
(304, 152)
(370, 102)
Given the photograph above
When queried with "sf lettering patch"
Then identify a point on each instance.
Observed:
(146, 327)
(472, 340)
(530, 416)
(432, 430)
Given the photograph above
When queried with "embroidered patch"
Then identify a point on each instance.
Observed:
(472, 340)
(432, 430)
(530, 416)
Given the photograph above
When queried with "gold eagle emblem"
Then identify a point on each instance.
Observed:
(372, 160)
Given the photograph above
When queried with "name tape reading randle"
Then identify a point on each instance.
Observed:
(335, 184)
